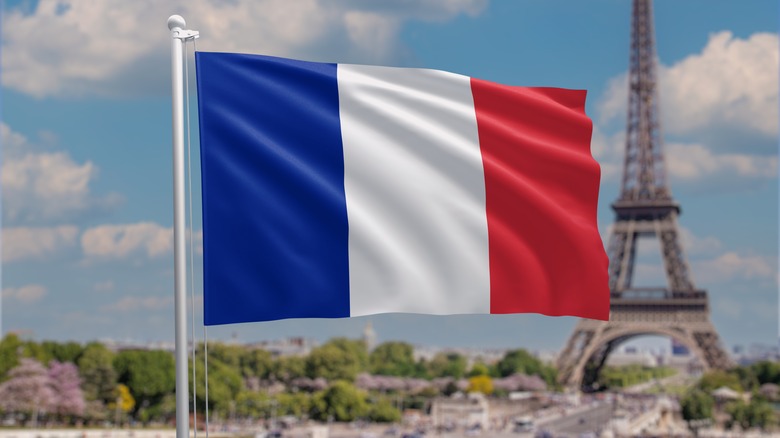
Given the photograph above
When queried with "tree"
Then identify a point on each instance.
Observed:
(628, 375)
(696, 405)
(340, 402)
(97, 373)
(9, 354)
(767, 372)
(124, 403)
(383, 411)
(481, 383)
(287, 368)
(27, 390)
(34, 350)
(62, 352)
(355, 347)
(66, 386)
(757, 413)
(251, 404)
(393, 359)
(228, 354)
(479, 369)
(521, 361)
(447, 365)
(747, 377)
(164, 411)
(338, 359)
(149, 375)
(256, 363)
(717, 379)
(296, 404)
(225, 382)
(124, 398)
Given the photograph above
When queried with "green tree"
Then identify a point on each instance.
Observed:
(34, 350)
(225, 383)
(62, 352)
(97, 373)
(164, 411)
(696, 405)
(149, 374)
(393, 359)
(518, 361)
(447, 365)
(253, 404)
(257, 363)
(479, 369)
(338, 359)
(757, 413)
(713, 380)
(383, 411)
(9, 354)
(296, 404)
(521, 361)
(628, 375)
(747, 377)
(341, 401)
(762, 414)
(227, 354)
(288, 368)
(767, 372)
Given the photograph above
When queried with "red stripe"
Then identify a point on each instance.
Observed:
(541, 186)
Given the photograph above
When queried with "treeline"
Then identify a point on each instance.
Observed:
(757, 389)
(616, 377)
(339, 380)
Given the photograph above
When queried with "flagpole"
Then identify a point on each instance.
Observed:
(178, 36)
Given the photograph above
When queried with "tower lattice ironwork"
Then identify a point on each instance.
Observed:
(644, 208)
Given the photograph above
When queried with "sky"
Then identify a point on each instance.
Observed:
(86, 146)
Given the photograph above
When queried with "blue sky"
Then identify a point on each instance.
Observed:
(86, 145)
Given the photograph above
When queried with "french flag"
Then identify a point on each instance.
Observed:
(334, 190)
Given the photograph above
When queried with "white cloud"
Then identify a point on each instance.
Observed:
(10, 140)
(25, 294)
(693, 244)
(732, 83)
(689, 163)
(39, 186)
(608, 150)
(694, 162)
(726, 98)
(132, 303)
(731, 265)
(118, 47)
(21, 243)
(120, 241)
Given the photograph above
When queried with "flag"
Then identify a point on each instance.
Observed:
(335, 190)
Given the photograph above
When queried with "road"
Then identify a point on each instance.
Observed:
(581, 421)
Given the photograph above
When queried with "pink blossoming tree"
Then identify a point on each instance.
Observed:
(66, 385)
(28, 390)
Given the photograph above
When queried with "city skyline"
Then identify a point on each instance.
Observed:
(86, 147)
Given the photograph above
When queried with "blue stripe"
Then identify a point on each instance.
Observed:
(275, 230)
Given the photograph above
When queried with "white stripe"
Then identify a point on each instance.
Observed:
(415, 192)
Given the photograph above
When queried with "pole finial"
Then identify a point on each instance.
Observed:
(175, 21)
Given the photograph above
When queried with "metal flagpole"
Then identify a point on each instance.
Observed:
(178, 36)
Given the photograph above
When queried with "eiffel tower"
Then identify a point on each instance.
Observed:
(644, 208)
